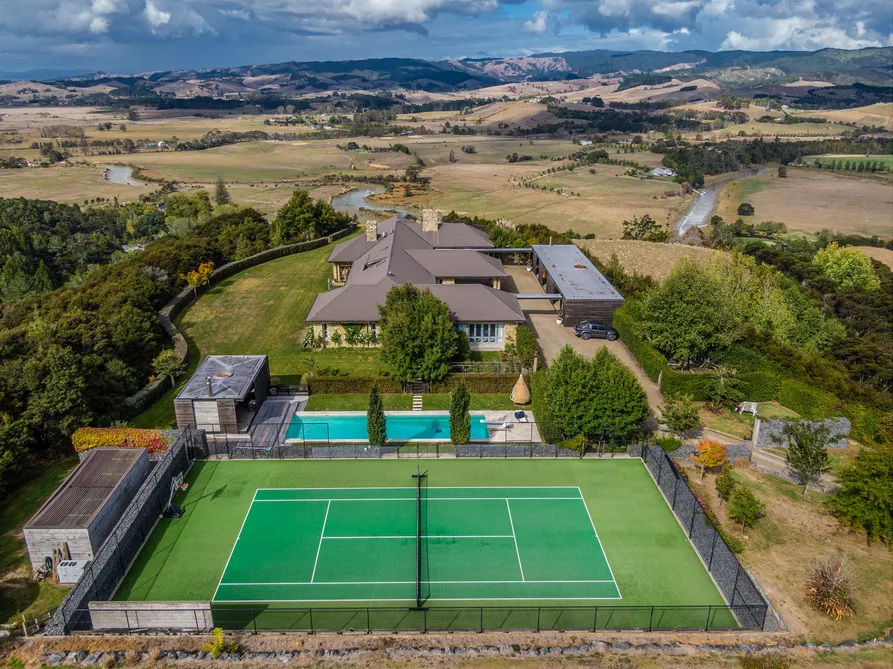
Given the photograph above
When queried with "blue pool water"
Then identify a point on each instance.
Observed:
(400, 428)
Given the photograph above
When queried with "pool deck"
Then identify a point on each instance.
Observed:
(514, 430)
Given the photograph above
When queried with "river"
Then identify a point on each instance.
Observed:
(121, 174)
(352, 201)
(699, 214)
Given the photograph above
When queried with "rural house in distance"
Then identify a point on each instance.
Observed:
(448, 259)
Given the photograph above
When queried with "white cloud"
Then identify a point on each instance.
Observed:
(243, 14)
(155, 16)
(99, 25)
(794, 33)
(106, 7)
(538, 24)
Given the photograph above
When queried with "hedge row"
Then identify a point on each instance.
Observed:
(118, 437)
(477, 384)
(806, 400)
(352, 385)
(542, 414)
(626, 323)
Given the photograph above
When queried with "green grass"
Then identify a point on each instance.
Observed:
(741, 425)
(432, 402)
(886, 160)
(19, 593)
(652, 560)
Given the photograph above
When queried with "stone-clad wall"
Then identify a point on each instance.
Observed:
(770, 432)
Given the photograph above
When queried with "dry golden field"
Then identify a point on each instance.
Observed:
(879, 114)
(809, 201)
(645, 258)
(607, 198)
(72, 184)
(880, 254)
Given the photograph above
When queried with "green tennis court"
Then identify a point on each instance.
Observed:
(318, 545)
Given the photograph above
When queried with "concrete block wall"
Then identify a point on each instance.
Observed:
(41, 542)
(183, 616)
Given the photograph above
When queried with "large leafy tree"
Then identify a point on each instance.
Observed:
(595, 398)
(690, 314)
(864, 500)
(418, 336)
(302, 218)
(847, 267)
(745, 508)
(680, 413)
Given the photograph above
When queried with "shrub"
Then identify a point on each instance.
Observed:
(669, 444)
(830, 587)
(864, 500)
(118, 437)
(375, 418)
(745, 209)
(460, 419)
(725, 483)
(685, 383)
(764, 662)
(219, 644)
(745, 508)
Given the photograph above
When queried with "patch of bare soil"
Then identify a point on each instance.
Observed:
(879, 253)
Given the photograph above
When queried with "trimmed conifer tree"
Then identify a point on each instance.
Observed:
(375, 418)
(460, 418)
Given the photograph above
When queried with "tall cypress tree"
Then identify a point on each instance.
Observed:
(460, 418)
(375, 418)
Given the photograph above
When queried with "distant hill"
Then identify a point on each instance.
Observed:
(728, 69)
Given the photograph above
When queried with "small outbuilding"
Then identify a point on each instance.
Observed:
(85, 508)
(581, 291)
(224, 393)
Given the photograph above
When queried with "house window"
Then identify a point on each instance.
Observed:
(325, 332)
(485, 333)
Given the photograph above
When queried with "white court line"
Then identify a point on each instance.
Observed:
(409, 599)
(412, 499)
(321, 535)
(406, 582)
(431, 536)
(233, 549)
(515, 538)
(601, 548)
(448, 487)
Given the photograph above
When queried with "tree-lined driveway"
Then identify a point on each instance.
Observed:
(552, 337)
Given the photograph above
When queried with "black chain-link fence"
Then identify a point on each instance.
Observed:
(734, 582)
(273, 618)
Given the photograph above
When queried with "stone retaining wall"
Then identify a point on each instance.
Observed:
(733, 451)
(770, 432)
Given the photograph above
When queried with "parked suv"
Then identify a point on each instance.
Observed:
(594, 330)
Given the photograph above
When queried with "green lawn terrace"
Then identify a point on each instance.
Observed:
(255, 536)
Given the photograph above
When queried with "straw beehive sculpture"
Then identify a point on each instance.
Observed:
(521, 393)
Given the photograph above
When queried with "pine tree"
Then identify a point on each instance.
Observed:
(460, 418)
(221, 195)
(807, 456)
(376, 424)
(864, 500)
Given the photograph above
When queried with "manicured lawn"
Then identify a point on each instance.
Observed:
(432, 402)
(741, 425)
(19, 593)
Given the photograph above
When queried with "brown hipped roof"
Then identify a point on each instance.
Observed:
(470, 303)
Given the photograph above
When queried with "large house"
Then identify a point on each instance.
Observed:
(448, 259)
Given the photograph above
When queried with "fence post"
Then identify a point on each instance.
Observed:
(595, 620)
(707, 624)
(660, 470)
(675, 490)
(735, 587)
(712, 549)
(539, 610)
(254, 620)
(368, 622)
(482, 619)
(691, 524)
(651, 619)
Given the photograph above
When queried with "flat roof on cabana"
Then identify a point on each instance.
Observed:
(574, 274)
(231, 377)
(84, 493)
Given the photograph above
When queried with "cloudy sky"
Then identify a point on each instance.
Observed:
(141, 35)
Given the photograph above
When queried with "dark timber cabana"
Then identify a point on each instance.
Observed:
(569, 278)
(224, 393)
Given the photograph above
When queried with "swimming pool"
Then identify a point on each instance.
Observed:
(400, 427)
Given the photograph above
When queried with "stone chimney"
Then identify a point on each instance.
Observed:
(430, 220)
(371, 230)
